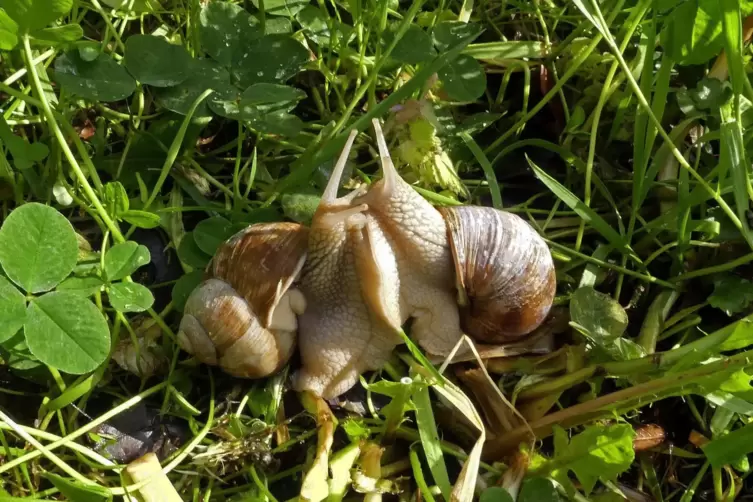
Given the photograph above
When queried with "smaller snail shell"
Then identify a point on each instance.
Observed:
(243, 317)
(504, 270)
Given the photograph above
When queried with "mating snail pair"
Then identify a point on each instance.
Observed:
(371, 260)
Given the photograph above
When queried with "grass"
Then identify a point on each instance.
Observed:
(140, 134)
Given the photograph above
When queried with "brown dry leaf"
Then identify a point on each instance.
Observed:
(648, 436)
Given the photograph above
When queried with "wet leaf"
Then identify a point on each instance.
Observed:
(38, 247)
(191, 254)
(414, 47)
(205, 74)
(732, 294)
(272, 58)
(125, 258)
(212, 232)
(130, 297)
(463, 79)
(183, 288)
(33, 15)
(84, 286)
(226, 29)
(12, 309)
(448, 33)
(314, 23)
(287, 8)
(102, 79)
(155, 61)
(67, 332)
(602, 317)
(599, 452)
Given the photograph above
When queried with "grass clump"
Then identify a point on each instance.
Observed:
(138, 135)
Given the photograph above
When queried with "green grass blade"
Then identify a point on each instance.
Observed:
(491, 178)
(585, 212)
(427, 430)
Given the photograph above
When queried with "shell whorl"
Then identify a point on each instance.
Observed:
(242, 317)
(504, 270)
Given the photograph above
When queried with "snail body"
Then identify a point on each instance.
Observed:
(370, 261)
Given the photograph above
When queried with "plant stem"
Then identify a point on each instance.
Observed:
(52, 123)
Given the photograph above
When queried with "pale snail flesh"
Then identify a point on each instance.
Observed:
(371, 260)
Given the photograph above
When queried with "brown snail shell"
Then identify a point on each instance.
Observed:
(504, 270)
(243, 317)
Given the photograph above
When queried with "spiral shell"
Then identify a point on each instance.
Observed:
(243, 317)
(504, 271)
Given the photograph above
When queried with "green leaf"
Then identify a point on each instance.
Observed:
(205, 74)
(38, 247)
(693, 31)
(8, 32)
(599, 452)
(130, 297)
(141, 219)
(116, 198)
(732, 294)
(272, 58)
(155, 61)
(191, 254)
(212, 232)
(102, 79)
(225, 30)
(269, 97)
(12, 309)
(57, 35)
(67, 332)
(448, 33)
(277, 26)
(75, 490)
(84, 286)
(125, 258)
(414, 47)
(729, 448)
(463, 79)
(300, 207)
(602, 317)
(33, 15)
(25, 154)
(184, 287)
(538, 489)
(314, 20)
(287, 8)
(495, 494)
(741, 336)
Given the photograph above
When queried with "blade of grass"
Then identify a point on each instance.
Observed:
(589, 215)
(491, 178)
(427, 430)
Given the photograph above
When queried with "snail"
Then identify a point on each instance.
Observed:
(370, 261)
